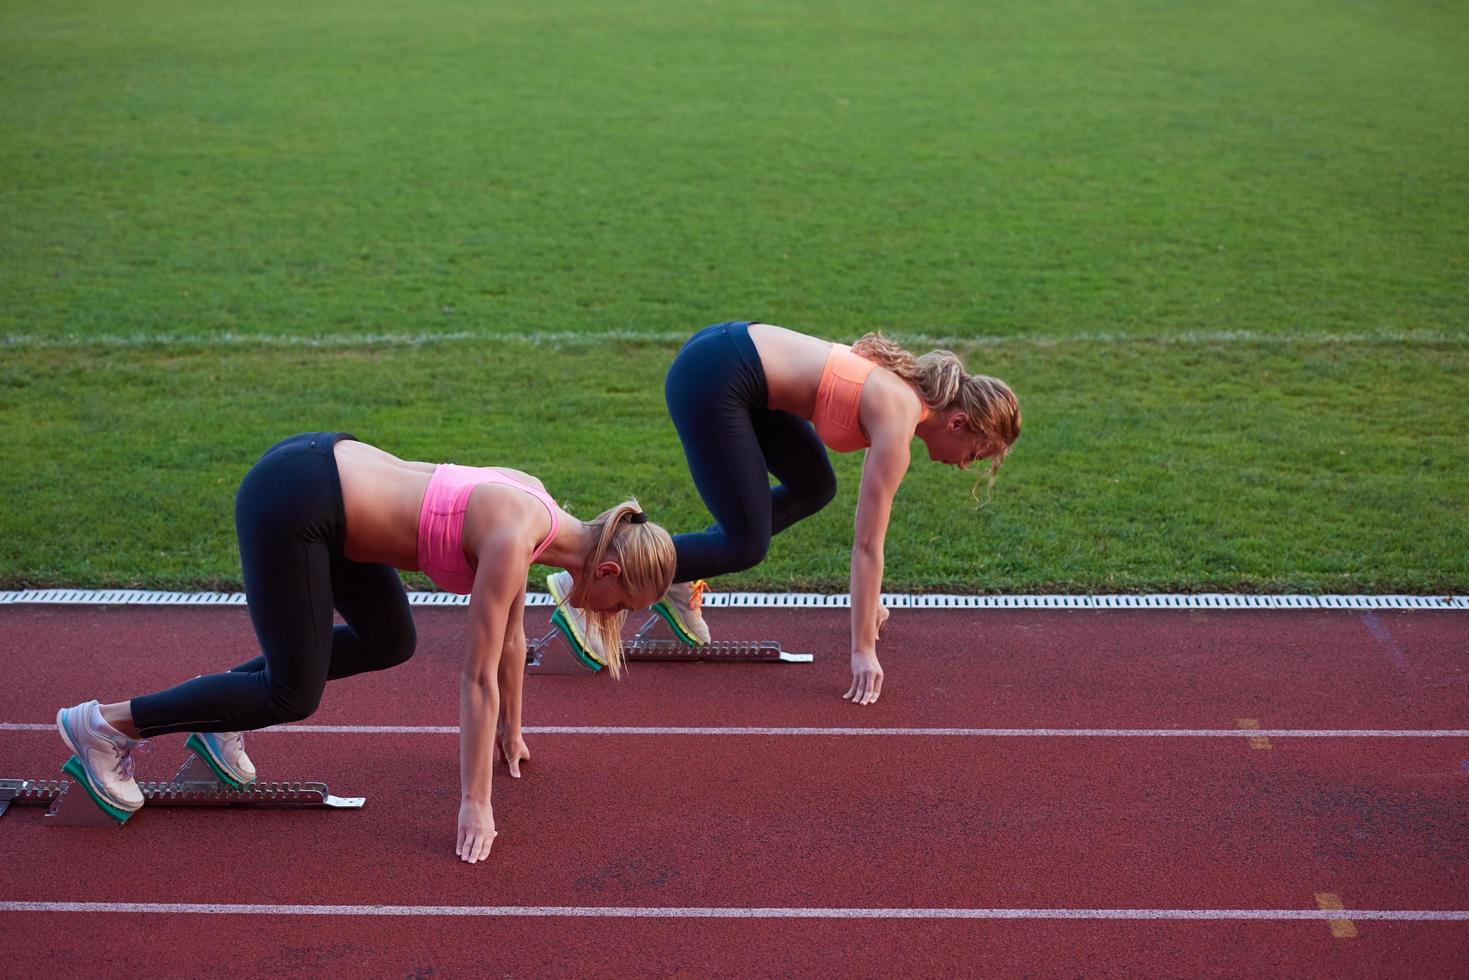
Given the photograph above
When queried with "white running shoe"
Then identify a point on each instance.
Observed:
(681, 609)
(573, 623)
(224, 754)
(103, 759)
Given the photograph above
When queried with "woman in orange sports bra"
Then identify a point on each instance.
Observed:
(753, 399)
(323, 520)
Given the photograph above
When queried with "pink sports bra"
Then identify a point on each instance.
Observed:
(441, 522)
(836, 414)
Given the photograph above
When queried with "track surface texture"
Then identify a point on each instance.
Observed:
(1037, 793)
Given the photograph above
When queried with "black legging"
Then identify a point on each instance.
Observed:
(291, 528)
(717, 397)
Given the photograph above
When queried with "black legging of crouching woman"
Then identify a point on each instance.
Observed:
(717, 398)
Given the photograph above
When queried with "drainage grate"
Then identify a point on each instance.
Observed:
(806, 600)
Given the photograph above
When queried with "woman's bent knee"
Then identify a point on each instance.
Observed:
(747, 554)
(294, 707)
(397, 647)
(821, 493)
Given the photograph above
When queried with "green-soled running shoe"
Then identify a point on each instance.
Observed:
(102, 760)
(572, 623)
(224, 754)
(681, 609)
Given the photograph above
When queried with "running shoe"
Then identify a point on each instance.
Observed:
(572, 622)
(681, 609)
(102, 760)
(224, 754)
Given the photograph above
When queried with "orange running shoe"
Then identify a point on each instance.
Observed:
(681, 609)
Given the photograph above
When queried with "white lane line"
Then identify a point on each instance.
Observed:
(584, 338)
(717, 912)
(10, 726)
(811, 600)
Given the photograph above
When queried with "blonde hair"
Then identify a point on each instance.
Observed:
(645, 552)
(991, 408)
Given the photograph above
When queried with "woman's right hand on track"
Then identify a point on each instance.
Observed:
(476, 831)
(866, 678)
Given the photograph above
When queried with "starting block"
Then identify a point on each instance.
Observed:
(554, 653)
(193, 785)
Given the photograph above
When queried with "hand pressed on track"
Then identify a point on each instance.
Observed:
(513, 750)
(476, 831)
(866, 678)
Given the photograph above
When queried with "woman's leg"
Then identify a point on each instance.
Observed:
(379, 631)
(288, 519)
(798, 460)
(712, 389)
(729, 472)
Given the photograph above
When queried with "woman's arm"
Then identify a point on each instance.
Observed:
(497, 580)
(512, 682)
(882, 472)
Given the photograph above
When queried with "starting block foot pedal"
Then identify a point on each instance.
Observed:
(210, 773)
(656, 640)
(556, 653)
(72, 804)
(79, 806)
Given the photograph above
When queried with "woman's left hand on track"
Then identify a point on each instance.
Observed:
(882, 618)
(866, 678)
(476, 831)
(513, 750)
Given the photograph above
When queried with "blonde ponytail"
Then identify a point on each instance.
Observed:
(988, 403)
(645, 552)
(936, 376)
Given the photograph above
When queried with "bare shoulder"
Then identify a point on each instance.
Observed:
(502, 522)
(889, 402)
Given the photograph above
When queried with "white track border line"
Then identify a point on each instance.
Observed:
(809, 600)
(570, 338)
(705, 912)
(775, 732)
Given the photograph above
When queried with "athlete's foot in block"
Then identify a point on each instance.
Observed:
(224, 752)
(105, 757)
(559, 583)
(682, 609)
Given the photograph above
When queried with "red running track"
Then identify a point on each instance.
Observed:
(795, 821)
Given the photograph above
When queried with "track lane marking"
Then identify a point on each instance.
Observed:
(1234, 733)
(1340, 928)
(1257, 741)
(719, 912)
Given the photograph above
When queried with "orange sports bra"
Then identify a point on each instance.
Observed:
(839, 399)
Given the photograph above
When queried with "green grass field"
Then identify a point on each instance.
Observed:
(1220, 250)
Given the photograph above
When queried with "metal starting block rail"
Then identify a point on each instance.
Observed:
(554, 653)
(194, 785)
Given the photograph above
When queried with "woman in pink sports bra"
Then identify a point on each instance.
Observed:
(323, 521)
(752, 399)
